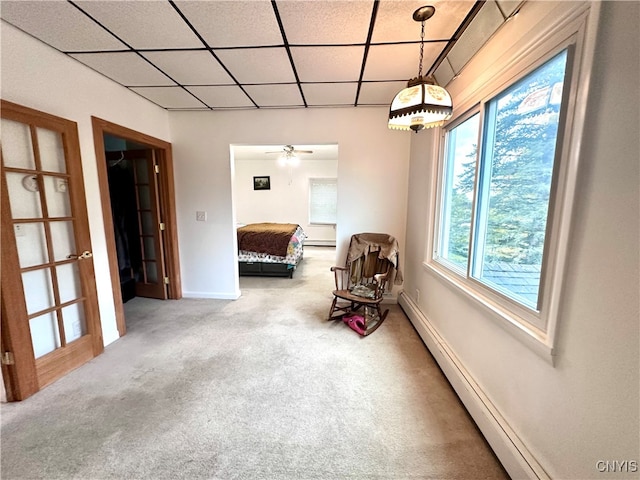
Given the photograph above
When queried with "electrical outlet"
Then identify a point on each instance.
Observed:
(201, 216)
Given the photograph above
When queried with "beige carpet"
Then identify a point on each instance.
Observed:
(258, 388)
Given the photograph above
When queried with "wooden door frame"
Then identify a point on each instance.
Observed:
(167, 208)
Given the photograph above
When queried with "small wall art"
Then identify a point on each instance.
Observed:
(262, 183)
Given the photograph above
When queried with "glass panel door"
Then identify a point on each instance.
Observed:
(151, 272)
(48, 220)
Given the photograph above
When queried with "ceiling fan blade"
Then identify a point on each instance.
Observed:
(303, 151)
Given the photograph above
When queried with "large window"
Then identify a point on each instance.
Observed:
(499, 168)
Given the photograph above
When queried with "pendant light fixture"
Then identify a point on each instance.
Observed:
(423, 103)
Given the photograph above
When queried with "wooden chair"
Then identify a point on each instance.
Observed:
(361, 283)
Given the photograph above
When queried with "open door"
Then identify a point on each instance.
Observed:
(50, 316)
(155, 200)
(137, 218)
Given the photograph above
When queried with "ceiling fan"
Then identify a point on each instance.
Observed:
(288, 151)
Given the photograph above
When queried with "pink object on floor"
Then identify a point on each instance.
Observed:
(356, 323)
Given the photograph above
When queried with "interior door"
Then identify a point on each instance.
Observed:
(151, 276)
(50, 316)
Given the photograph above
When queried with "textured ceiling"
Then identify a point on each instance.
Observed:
(242, 54)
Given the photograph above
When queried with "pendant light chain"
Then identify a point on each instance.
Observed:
(421, 50)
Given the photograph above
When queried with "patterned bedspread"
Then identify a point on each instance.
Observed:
(291, 255)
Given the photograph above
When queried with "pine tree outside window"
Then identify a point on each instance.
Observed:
(496, 187)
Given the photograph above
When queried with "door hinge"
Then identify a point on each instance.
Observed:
(162, 226)
(156, 168)
(7, 358)
(166, 280)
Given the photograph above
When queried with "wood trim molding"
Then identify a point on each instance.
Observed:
(167, 197)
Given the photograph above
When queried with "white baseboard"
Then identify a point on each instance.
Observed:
(319, 243)
(510, 450)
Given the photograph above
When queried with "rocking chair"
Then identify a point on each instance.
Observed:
(372, 264)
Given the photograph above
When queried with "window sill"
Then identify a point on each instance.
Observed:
(536, 340)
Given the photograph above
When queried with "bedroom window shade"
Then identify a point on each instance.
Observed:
(323, 201)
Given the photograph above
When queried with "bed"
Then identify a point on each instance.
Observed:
(270, 249)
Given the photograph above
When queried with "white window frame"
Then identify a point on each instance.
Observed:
(576, 30)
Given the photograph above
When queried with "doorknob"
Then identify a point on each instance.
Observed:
(83, 255)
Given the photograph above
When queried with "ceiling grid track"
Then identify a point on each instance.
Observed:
(288, 49)
(372, 22)
(210, 50)
(133, 50)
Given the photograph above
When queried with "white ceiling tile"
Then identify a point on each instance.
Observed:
(223, 96)
(395, 23)
(190, 67)
(379, 93)
(169, 97)
(50, 21)
(328, 64)
(483, 26)
(233, 23)
(328, 23)
(258, 65)
(397, 62)
(126, 68)
(330, 93)
(143, 24)
(275, 95)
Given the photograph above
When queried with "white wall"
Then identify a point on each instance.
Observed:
(585, 408)
(39, 77)
(372, 180)
(288, 199)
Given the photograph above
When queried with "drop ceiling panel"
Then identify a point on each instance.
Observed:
(143, 24)
(395, 21)
(258, 65)
(484, 24)
(169, 97)
(327, 64)
(379, 93)
(399, 62)
(194, 67)
(165, 44)
(223, 96)
(233, 23)
(275, 95)
(330, 93)
(126, 68)
(326, 23)
(51, 21)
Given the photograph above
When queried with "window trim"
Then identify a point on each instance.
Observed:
(575, 30)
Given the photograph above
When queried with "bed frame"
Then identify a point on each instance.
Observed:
(261, 269)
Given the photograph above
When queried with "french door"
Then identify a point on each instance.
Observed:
(145, 262)
(50, 317)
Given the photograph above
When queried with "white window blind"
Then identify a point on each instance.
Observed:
(323, 200)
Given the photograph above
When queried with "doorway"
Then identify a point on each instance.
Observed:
(135, 173)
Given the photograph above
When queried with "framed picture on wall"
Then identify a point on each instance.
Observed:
(262, 183)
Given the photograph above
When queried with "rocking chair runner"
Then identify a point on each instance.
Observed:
(372, 264)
